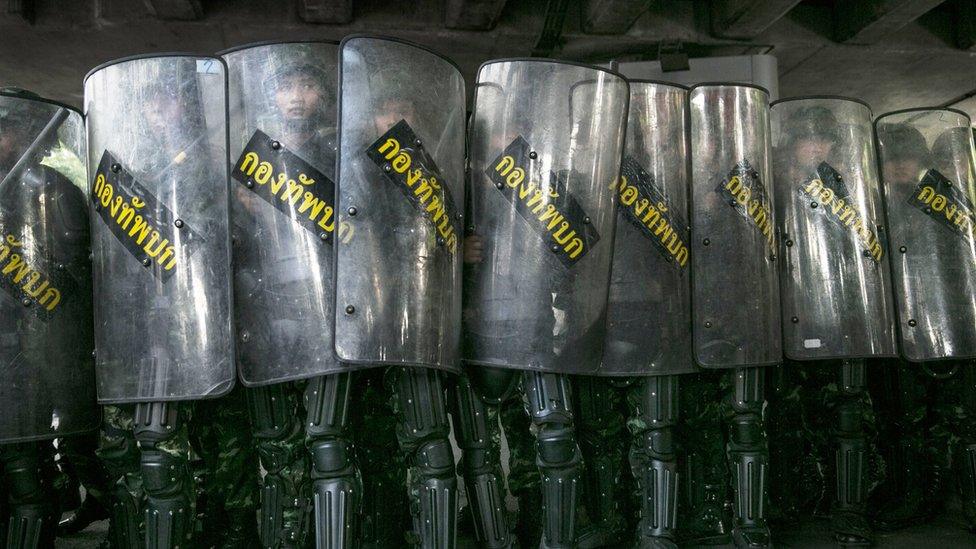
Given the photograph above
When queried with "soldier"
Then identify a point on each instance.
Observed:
(835, 294)
(648, 339)
(735, 294)
(546, 139)
(45, 331)
(399, 191)
(161, 242)
(929, 201)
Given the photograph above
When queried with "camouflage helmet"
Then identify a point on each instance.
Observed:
(812, 123)
(902, 141)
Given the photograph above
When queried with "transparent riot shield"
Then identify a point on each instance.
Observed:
(735, 290)
(649, 312)
(927, 165)
(834, 279)
(546, 144)
(282, 153)
(401, 197)
(47, 377)
(157, 146)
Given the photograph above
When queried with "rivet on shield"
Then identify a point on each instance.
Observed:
(275, 145)
(554, 248)
(499, 184)
(352, 210)
(460, 216)
(772, 257)
(93, 353)
(25, 302)
(324, 236)
(948, 183)
(418, 142)
(586, 220)
(706, 242)
(708, 323)
(387, 168)
(814, 204)
(178, 223)
(350, 309)
(60, 266)
(245, 336)
(146, 262)
(533, 155)
(928, 210)
(794, 320)
(98, 207)
(789, 243)
(903, 249)
(440, 241)
(249, 184)
(732, 202)
(116, 168)
(866, 253)
(912, 323)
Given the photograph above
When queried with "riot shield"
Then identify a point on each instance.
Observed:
(400, 193)
(282, 152)
(47, 377)
(834, 279)
(157, 158)
(544, 161)
(649, 310)
(927, 165)
(735, 289)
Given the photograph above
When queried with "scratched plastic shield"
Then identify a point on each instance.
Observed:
(282, 153)
(545, 148)
(927, 170)
(401, 197)
(649, 314)
(159, 196)
(47, 376)
(834, 280)
(735, 288)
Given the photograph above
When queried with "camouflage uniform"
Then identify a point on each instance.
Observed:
(930, 433)
(607, 506)
(704, 513)
(804, 434)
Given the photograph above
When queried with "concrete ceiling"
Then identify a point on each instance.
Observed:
(891, 53)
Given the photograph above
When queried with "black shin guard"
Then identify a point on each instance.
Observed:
(166, 478)
(748, 456)
(480, 468)
(336, 483)
(33, 509)
(424, 435)
(558, 455)
(849, 520)
(654, 462)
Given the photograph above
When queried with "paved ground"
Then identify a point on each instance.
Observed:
(944, 533)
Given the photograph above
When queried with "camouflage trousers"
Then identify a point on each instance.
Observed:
(806, 403)
(927, 418)
(217, 432)
(384, 519)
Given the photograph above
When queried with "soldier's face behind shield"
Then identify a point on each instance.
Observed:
(392, 111)
(902, 170)
(811, 151)
(299, 96)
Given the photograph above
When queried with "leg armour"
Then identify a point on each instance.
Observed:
(285, 501)
(119, 453)
(558, 455)
(166, 476)
(849, 520)
(33, 509)
(423, 431)
(654, 409)
(748, 457)
(480, 469)
(337, 487)
(601, 429)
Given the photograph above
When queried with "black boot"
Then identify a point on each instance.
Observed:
(90, 511)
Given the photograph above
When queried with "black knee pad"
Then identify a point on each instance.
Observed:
(25, 480)
(162, 474)
(557, 446)
(330, 457)
(273, 411)
(746, 430)
(436, 458)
